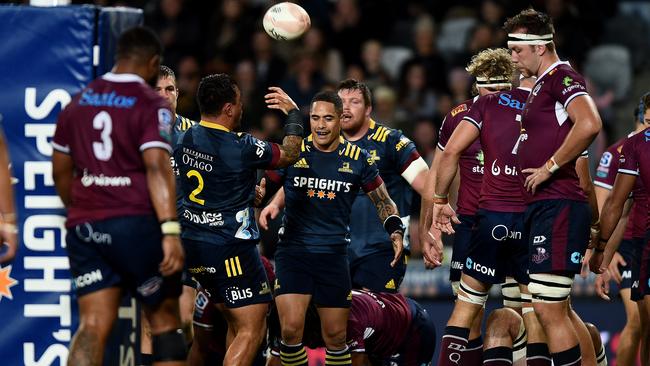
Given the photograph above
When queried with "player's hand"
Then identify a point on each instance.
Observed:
(443, 216)
(278, 99)
(398, 246)
(173, 255)
(617, 260)
(536, 176)
(271, 210)
(260, 192)
(602, 285)
(432, 248)
(584, 270)
(596, 262)
(9, 237)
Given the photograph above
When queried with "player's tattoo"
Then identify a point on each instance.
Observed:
(384, 204)
(290, 149)
(85, 349)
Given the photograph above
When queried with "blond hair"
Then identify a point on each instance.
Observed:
(492, 63)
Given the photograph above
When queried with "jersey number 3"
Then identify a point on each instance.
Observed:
(104, 149)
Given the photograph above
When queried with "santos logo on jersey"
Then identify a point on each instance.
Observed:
(324, 184)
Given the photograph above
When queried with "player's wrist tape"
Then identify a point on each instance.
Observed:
(9, 228)
(553, 165)
(170, 227)
(440, 201)
(392, 224)
(293, 126)
(435, 195)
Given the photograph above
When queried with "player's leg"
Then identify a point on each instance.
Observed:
(628, 345)
(97, 313)
(145, 340)
(210, 329)
(167, 339)
(644, 316)
(599, 348)
(248, 325)
(186, 308)
(586, 344)
(537, 353)
(333, 298)
(291, 311)
(558, 232)
(504, 327)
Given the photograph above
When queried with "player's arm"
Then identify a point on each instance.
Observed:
(430, 239)
(584, 176)
(62, 172)
(160, 181)
(293, 129)
(389, 215)
(272, 210)
(586, 125)
(462, 138)
(8, 230)
(611, 213)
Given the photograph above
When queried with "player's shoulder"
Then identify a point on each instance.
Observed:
(615, 148)
(184, 123)
(564, 74)
(639, 139)
(351, 152)
(456, 114)
(379, 132)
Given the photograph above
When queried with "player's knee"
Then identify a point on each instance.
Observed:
(595, 335)
(169, 346)
(504, 322)
(549, 288)
(334, 339)
(96, 325)
(292, 331)
(470, 295)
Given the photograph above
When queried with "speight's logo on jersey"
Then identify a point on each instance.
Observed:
(322, 184)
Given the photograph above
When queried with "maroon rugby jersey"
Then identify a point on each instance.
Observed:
(497, 117)
(105, 129)
(605, 178)
(546, 124)
(470, 163)
(378, 323)
(634, 160)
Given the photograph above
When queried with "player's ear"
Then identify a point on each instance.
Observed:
(227, 109)
(368, 111)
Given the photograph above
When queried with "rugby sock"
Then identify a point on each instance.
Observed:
(294, 355)
(601, 357)
(537, 354)
(497, 356)
(453, 343)
(338, 357)
(473, 354)
(570, 357)
(146, 359)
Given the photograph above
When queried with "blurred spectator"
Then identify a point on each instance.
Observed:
(347, 31)
(425, 138)
(269, 67)
(331, 62)
(230, 30)
(570, 39)
(356, 72)
(305, 80)
(178, 28)
(415, 98)
(460, 83)
(371, 57)
(426, 54)
(252, 96)
(271, 126)
(188, 77)
(385, 108)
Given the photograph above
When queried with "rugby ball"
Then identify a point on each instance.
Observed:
(286, 21)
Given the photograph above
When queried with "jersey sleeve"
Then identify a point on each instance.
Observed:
(607, 169)
(475, 113)
(402, 150)
(62, 138)
(259, 154)
(628, 161)
(446, 129)
(370, 178)
(567, 85)
(155, 127)
(355, 334)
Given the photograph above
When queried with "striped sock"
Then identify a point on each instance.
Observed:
(293, 355)
(473, 354)
(569, 357)
(537, 354)
(497, 356)
(601, 357)
(453, 343)
(338, 357)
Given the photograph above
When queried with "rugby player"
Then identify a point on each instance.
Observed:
(311, 259)
(8, 228)
(166, 88)
(497, 247)
(111, 169)
(217, 168)
(559, 120)
(622, 267)
(633, 164)
(402, 169)
(382, 327)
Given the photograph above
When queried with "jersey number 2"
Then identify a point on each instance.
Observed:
(198, 189)
(103, 122)
(243, 217)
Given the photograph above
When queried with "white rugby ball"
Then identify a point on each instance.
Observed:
(286, 21)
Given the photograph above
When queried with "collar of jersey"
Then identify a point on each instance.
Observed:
(122, 78)
(555, 64)
(214, 126)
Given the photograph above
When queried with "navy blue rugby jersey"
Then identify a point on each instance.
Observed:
(319, 191)
(217, 171)
(393, 153)
(181, 124)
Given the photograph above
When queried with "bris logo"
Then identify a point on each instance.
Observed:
(233, 267)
